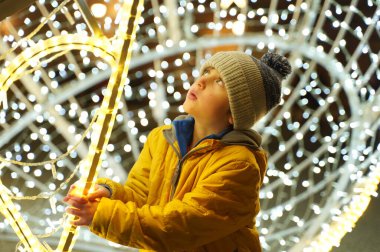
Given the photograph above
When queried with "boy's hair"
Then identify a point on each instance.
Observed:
(253, 85)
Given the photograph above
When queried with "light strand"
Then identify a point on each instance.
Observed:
(61, 157)
(34, 32)
(334, 232)
(45, 195)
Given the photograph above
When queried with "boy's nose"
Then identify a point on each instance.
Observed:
(201, 83)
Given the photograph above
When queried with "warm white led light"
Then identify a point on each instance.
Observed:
(238, 28)
(99, 10)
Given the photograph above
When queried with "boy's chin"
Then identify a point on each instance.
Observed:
(186, 108)
(187, 111)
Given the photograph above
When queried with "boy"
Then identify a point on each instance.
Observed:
(195, 186)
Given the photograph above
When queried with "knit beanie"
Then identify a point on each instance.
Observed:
(253, 85)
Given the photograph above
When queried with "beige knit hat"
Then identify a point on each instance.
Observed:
(253, 86)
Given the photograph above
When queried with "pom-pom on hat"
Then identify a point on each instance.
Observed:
(253, 85)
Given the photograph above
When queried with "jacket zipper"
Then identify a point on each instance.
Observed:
(178, 169)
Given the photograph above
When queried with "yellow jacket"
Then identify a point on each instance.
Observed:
(204, 201)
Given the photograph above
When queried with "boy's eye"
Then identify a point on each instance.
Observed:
(205, 72)
(220, 82)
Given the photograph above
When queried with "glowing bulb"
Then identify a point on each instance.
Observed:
(99, 10)
(238, 28)
(225, 4)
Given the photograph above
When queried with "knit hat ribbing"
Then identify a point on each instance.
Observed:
(253, 86)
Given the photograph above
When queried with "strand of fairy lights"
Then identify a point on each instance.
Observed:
(43, 47)
(333, 232)
(56, 44)
(70, 234)
(3, 92)
(126, 32)
(61, 157)
(363, 189)
(35, 31)
(18, 223)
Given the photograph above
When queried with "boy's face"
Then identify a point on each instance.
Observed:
(207, 99)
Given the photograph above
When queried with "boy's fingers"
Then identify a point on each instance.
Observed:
(73, 211)
(78, 222)
(97, 194)
(73, 200)
(77, 204)
(81, 200)
(72, 187)
(93, 196)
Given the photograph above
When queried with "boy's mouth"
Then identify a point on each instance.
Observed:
(191, 95)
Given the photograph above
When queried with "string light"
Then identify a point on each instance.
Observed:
(88, 170)
(104, 123)
(345, 222)
(15, 219)
(99, 10)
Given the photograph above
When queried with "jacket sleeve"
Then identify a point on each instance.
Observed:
(223, 202)
(136, 186)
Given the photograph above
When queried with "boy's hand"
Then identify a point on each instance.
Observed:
(99, 192)
(82, 208)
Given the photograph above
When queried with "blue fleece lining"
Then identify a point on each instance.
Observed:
(184, 132)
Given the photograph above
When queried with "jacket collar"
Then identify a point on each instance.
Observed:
(185, 125)
(249, 138)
